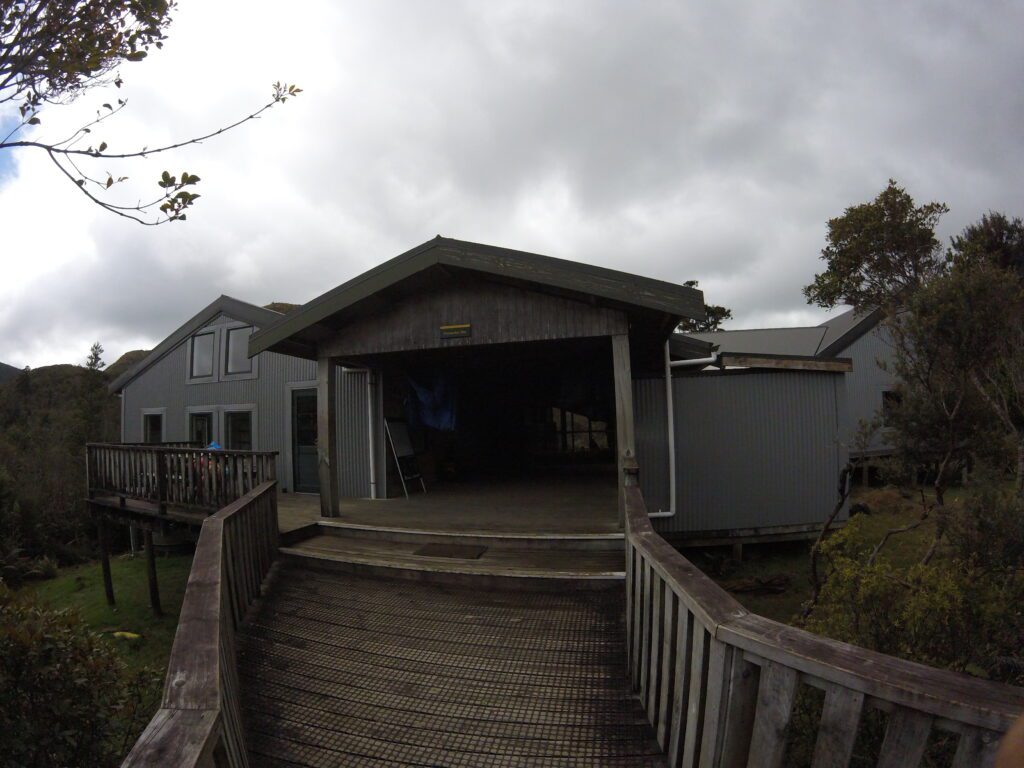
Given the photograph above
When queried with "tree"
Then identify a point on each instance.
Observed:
(54, 51)
(94, 361)
(879, 253)
(714, 316)
(995, 239)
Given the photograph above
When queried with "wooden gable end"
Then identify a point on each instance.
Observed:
(469, 312)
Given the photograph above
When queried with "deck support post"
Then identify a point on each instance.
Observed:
(327, 434)
(154, 589)
(108, 581)
(624, 433)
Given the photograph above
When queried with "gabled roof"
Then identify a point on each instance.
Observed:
(841, 331)
(766, 341)
(302, 327)
(826, 340)
(226, 305)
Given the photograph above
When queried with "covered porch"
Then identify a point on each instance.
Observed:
(500, 380)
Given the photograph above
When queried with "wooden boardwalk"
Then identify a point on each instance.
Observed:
(345, 670)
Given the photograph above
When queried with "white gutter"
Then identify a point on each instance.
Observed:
(671, 429)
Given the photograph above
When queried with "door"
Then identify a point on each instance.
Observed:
(305, 471)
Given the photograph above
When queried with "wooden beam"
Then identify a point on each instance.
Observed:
(108, 581)
(624, 431)
(828, 365)
(327, 434)
(154, 589)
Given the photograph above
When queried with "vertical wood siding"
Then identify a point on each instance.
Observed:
(753, 450)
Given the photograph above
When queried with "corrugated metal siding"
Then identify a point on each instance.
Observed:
(865, 384)
(353, 435)
(164, 386)
(753, 449)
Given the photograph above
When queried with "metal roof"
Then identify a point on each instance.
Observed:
(825, 340)
(841, 331)
(226, 305)
(299, 330)
(768, 341)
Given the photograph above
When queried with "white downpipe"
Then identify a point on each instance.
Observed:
(371, 402)
(671, 429)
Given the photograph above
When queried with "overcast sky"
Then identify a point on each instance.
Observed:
(707, 141)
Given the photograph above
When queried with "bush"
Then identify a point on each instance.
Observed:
(67, 697)
(989, 529)
(955, 613)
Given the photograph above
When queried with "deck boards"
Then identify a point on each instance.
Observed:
(342, 670)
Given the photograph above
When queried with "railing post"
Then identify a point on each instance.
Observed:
(161, 481)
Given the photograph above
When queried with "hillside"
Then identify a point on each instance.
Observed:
(124, 362)
(8, 372)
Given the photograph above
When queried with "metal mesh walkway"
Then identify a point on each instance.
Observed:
(343, 670)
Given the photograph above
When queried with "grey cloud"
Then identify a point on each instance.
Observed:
(706, 141)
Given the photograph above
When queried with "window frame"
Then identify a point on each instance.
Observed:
(249, 408)
(145, 414)
(197, 410)
(190, 357)
(225, 351)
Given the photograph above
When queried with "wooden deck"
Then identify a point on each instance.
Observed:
(553, 504)
(342, 670)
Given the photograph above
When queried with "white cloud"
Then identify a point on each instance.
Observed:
(680, 141)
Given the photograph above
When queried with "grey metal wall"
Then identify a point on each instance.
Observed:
(353, 434)
(865, 385)
(164, 385)
(753, 449)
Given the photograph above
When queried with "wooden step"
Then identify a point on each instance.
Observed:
(613, 542)
(498, 566)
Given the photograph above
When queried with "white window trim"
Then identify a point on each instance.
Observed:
(253, 373)
(214, 420)
(213, 377)
(238, 408)
(162, 413)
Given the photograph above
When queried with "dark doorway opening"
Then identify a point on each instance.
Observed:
(504, 427)
(305, 471)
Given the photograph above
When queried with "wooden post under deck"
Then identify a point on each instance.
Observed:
(327, 434)
(154, 589)
(108, 581)
(624, 433)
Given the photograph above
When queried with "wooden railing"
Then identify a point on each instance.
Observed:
(199, 722)
(719, 684)
(173, 475)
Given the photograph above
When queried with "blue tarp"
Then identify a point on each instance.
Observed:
(431, 402)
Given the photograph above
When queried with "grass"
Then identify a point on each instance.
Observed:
(81, 587)
(889, 508)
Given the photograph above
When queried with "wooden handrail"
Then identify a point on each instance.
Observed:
(719, 683)
(199, 723)
(165, 475)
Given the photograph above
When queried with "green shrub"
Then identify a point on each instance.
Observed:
(989, 528)
(67, 697)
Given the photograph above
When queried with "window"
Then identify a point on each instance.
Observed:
(237, 352)
(238, 430)
(890, 401)
(577, 433)
(202, 355)
(153, 428)
(200, 428)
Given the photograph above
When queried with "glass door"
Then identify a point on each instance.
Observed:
(305, 468)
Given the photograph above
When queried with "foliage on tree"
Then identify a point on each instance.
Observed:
(68, 699)
(879, 253)
(46, 416)
(714, 316)
(95, 360)
(995, 239)
(53, 52)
